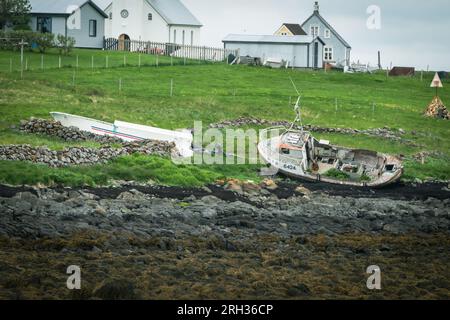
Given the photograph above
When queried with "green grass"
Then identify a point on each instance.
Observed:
(131, 168)
(334, 173)
(215, 92)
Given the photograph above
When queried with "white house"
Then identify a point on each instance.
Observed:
(301, 51)
(309, 45)
(336, 49)
(80, 19)
(165, 21)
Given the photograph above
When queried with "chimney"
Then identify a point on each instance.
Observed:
(316, 6)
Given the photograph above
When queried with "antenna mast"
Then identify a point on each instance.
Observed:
(297, 108)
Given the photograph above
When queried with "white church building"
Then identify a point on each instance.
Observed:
(165, 21)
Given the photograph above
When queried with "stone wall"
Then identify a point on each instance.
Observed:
(82, 155)
(378, 132)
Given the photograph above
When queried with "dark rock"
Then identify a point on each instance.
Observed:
(116, 289)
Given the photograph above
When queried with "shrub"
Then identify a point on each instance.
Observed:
(65, 44)
(334, 173)
(45, 41)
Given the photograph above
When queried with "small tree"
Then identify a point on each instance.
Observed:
(45, 41)
(15, 14)
(65, 44)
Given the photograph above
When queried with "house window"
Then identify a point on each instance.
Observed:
(192, 37)
(44, 24)
(150, 17)
(110, 16)
(327, 34)
(93, 28)
(328, 53)
(184, 35)
(174, 36)
(315, 30)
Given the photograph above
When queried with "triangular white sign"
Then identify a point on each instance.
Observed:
(436, 83)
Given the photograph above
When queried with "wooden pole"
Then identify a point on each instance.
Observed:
(171, 87)
(21, 59)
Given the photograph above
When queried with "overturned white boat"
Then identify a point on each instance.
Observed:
(297, 153)
(128, 131)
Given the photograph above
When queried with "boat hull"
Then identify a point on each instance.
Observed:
(297, 169)
(128, 131)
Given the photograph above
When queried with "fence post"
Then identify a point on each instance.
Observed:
(171, 87)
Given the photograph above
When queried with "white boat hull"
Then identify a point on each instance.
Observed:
(128, 131)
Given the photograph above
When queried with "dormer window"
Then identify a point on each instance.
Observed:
(150, 17)
(327, 34)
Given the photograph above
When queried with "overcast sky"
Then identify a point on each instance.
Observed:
(413, 32)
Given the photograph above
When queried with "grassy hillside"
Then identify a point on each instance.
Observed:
(215, 92)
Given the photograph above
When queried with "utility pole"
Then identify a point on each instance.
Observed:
(379, 60)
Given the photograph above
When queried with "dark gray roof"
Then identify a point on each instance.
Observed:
(295, 28)
(61, 7)
(317, 14)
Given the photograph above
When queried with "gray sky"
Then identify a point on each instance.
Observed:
(413, 32)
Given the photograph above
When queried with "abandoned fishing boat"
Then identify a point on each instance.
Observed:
(297, 153)
(128, 131)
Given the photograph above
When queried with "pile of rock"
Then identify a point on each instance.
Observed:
(378, 132)
(56, 129)
(437, 109)
(81, 155)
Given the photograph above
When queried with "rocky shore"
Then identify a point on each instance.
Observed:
(166, 243)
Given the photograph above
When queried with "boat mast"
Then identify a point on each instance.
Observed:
(297, 109)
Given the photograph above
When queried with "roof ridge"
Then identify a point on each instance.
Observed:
(316, 13)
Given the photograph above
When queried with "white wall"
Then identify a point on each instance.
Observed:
(190, 31)
(279, 51)
(83, 40)
(138, 27)
(58, 24)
